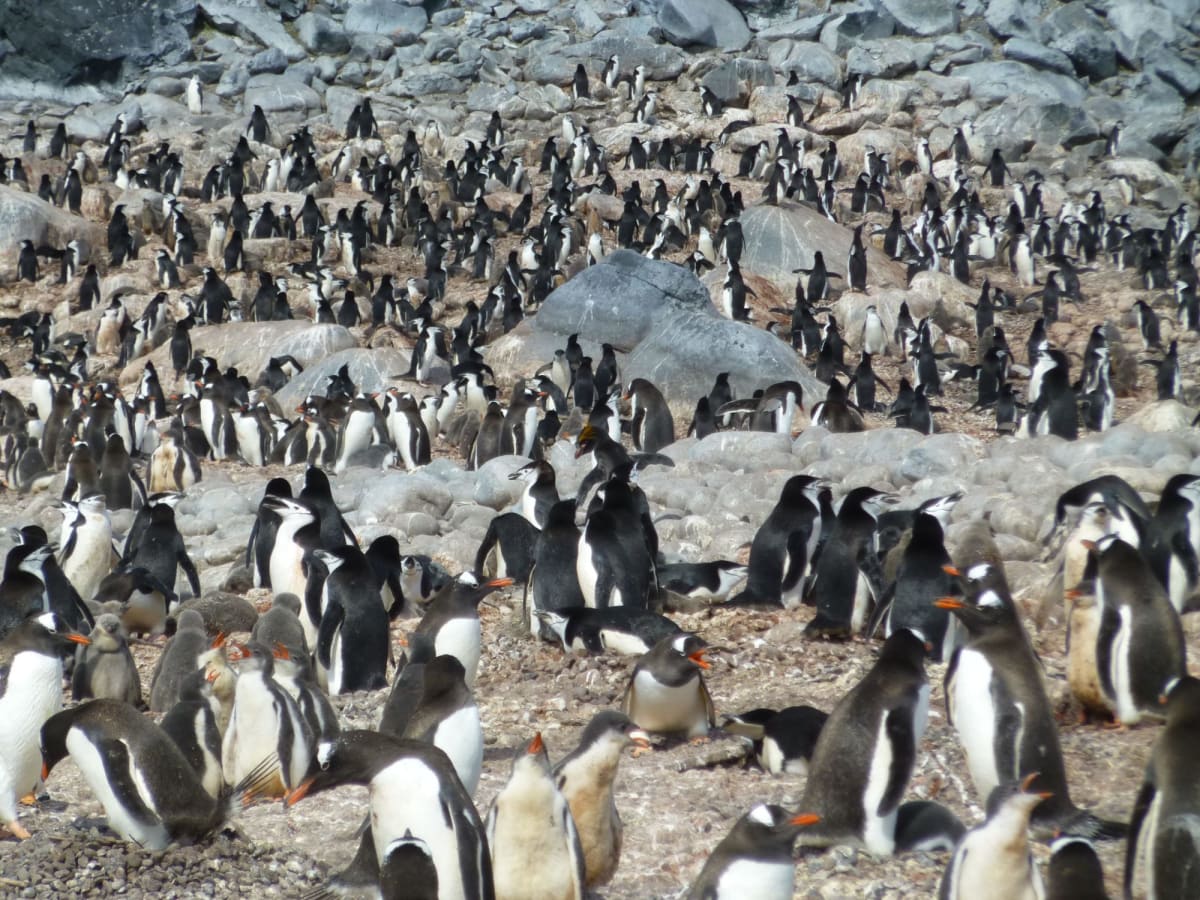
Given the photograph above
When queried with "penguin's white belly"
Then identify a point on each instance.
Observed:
(149, 835)
(879, 832)
(529, 507)
(975, 719)
(863, 598)
(585, 571)
(746, 878)
(460, 638)
(460, 737)
(1120, 670)
(34, 694)
(253, 733)
(659, 707)
(985, 869)
(90, 559)
(248, 441)
(530, 843)
(623, 642)
(406, 796)
(336, 669)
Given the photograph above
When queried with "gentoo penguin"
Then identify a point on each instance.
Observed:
(119, 483)
(178, 660)
(531, 834)
(104, 668)
(23, 591)
(846, 582)
(1173, 550)
(586, 777)
(754, 859)
(1140, 649)
(1074, 871)
(352, 641)
(867, 749)
(280, 626)
(448, 718)
(408, 686)
(993, 860)
(617, 629)
(652, 426)
(554, 582)
(1163, 843)
(31, 673)
(782, 547)
(540, 491)
(192, 724)
(414, 791)
(997, 703)
(150, 793)
(783, 741)
(451, 621)
(265, 723)
(666, 692)
(86, 544)
(295, 675)
(407, 871)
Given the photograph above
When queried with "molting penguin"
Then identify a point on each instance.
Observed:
(413, 790)
(86, 553)
(666, 692)
(407, 687)
(104, 668)
(192, 724)
(867, 749)
(652, 426)
(754, 859)
(178, 660)
(531, 834)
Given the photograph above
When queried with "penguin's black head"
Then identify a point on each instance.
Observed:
(354, 757)
(1182, 700)
(906, 645)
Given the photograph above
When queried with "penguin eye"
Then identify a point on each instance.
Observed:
(325, 765)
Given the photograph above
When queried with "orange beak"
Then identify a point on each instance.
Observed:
(950, 570)
(1028, 781)
(299, 793)
(281, 652)
(211, 675)
(536, 745)
(78, 639)
(804, 819)
(219, 640)
(948, 603)
(45, 771)
(698, 658)
(499, 583)
(1089, 545)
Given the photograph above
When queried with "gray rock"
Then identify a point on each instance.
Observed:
(248, 19)
(223, 613)
(69, 42)
(321, 34)
(1017, 122)
(370, 370)
(705, 23)
(736, 77)
(421, 84)
(882, 58)
(994, 82)
(923, 18)
(1139, 29)
(492, 485)
(867, 23)
(1038, 55)
(1080, 34)
(233, 81)
(810, 62)
(399, 493)
(279, 93)
(271, 61)
(662, 61)
(749, 451)
(805, 28)
(25, 216)
(385, 17)
(1176, 71)
(1015, 18)
(941, 454)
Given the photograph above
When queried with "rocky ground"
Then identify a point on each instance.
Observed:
(1042, 81)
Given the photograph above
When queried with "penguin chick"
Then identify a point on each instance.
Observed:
(536, 853)
(104, 668)
(666, 693)
(993, 861)
(754, 859)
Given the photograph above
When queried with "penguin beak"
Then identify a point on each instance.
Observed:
(299, 793)
(281, 652)
(698, 658)
(948, 603)
(499, 583)
(951, 570)
(579, 451)
(219, 640)
(45, 770)
(78, 639)
(640, 738)
(804, 819)
(211, 675)
(536, 745)
(1089, 545)
(1028, 781)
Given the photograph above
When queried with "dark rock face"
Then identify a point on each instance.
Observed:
(86, 41)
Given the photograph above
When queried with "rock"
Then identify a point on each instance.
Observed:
(662, 62)
(396, 493)
(810, 62)
(780, 239)
(72, 42)
(385, 17)
(742, 450)
(223, 613)
(1015, 18)
(279, 93)
(1080, 34)
(26, 217)
(994, 82)
(842, 32)
(737, 77)
(1140, 29)
(492, 485)
(662, 316)
(1038, 55)
(321, 34)
(941, 454)
(1178, 72)
(1163, 415)
(881, 59)
(271, 61)
(1018, 121)
(923, 18)
(247, 19)
(370, 370)
(707, 23)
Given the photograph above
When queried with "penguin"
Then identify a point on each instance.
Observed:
(754, 859)
(195, 96)
(666, 693)
(104, 668)
(614, 565)
(451, 621)
(1140, 647)
(782, 547)
(295, 675)
(866, 751)
(585, 776)
(652, 426)
(1074, 871)
(407, 871)
(173, 466)
(280, 626)
(994, 859)
(489, 442)
(413, 790)
(265, 724)
(297, 534)
(554, 582)
(408, 686)
(178, 660)
(192, 724)
(1173, 549)
(23, 591)
(31, 673)
(531, 834)
(783, 741)
(619, 629)
(540, 492)
(1163, 845)
(846, 582)
(996, 701)
(150, 793)
(261, 544)
(359, 430)
(162, 552)
(119, 482)
(421, 579)
(713, 580)
(64, 601)
(318, 494)
(352, 641)
(86, 553)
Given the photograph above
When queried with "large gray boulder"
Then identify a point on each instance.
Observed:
(87, 41)
(385, 17)
(247, 19)
(705, 23)
(661, 316)
(279, 93)
(371, 371)
(923, 18)
(26, 217)
(1079, 33)
(995, 82)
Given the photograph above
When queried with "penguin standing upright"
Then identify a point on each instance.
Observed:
(413, 791)
(666, 692)
(531, 834)
(998, 705)
(1163, 844)
(540, 492)
(192, 724)
(846, 582)
(1074, 871)
(993, 860)
(448, 718)
(754, 859)
(554, 582)
(408, 686)
(31, 673)
(86, 547)
(265, 724)
(161, 550)
(298, 533)
(586, 776)
(261, 544)
(451, 621)
(318, 494)
(105, 667)
(652, 425)
(119, 482)
(866, 753)
(352, 641)
(178, 660)
(782, 548)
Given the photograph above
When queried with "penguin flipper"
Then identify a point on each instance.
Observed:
(899, 730)
(1141, 806)
(882, 608)
(331, 621)
(118, 766)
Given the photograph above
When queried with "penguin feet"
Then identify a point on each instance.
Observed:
(98, 823)
(17, 830)
(29, 799)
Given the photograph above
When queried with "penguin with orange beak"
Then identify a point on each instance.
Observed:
(667, 693)
(451, 620)
(755, 858)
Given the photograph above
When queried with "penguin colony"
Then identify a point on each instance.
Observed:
(236, 720)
